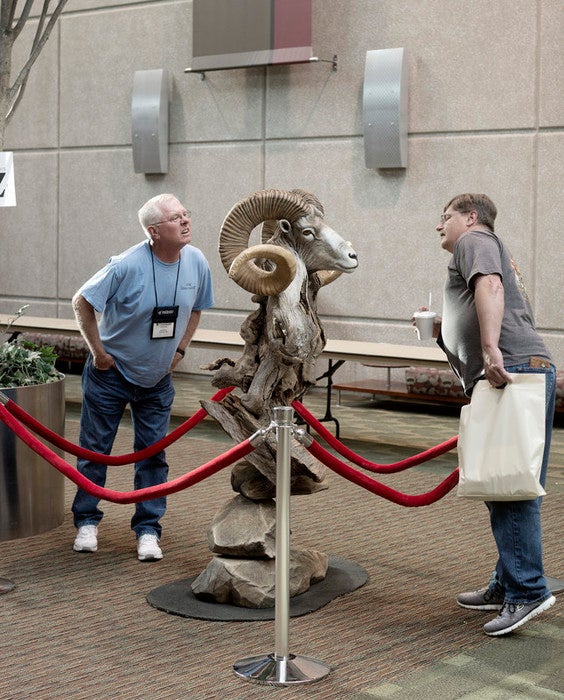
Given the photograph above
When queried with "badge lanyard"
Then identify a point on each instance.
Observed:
(164, 317)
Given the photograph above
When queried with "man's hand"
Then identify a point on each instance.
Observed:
(437, 321)
(175, 360)
(494, 369)
(103, 361)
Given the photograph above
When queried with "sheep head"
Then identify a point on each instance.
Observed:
(293, 227)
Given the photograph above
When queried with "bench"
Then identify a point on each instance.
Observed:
(65, 336)
(336, 352)
(397, 390)
(426, 385)
(420, 384)
(231, 342)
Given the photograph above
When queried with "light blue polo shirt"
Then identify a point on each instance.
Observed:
(123, 292)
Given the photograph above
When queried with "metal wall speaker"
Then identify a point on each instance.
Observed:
(149, 121)
(385, 109)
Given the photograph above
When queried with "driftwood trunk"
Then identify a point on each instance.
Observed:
(283, 339)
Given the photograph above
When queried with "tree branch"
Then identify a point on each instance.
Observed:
(40, 24)
(18, 87)
(13, 4)
(7, 10)
(23, 17)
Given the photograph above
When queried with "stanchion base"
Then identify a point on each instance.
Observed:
(286, 670)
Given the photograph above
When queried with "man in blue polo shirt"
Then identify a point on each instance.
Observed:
(149, 300)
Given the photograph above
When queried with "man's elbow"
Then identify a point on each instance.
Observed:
(80, 305)
(77, 301)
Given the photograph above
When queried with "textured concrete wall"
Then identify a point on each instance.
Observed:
(485, 114)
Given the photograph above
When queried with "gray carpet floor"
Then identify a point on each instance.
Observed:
(79, 625)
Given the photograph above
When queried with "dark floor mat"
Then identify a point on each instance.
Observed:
(177, 598)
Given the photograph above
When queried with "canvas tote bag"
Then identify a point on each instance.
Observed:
(501, 440)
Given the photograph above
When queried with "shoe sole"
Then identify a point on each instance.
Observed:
(85, 549)
(150, 557)
(480, 607)
(545, 605)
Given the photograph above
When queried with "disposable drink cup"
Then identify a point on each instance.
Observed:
(424, 323)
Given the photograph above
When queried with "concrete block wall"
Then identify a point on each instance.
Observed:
(486, 114)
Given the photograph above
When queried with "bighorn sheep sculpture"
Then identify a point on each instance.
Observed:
(283, 338)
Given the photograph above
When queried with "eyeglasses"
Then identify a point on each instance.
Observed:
(177, 218)
(446, 217)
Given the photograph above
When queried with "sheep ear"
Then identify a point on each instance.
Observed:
(246, 273)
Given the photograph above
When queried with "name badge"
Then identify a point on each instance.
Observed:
(164, 322)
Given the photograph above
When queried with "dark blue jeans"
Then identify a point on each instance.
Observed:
(105, 394)
(516, 525)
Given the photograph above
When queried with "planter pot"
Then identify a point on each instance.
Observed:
(31, 490)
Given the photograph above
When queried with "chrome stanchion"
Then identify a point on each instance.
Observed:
(281, 667)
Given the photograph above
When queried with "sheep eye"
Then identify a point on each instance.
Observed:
(308, 232)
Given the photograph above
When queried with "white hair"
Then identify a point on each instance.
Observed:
(151, 211)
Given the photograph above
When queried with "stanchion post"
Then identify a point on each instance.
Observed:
(281, 667)
(283, 420)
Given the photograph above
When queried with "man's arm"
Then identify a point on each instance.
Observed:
(193, 322)
(88, 325)
(490, 303)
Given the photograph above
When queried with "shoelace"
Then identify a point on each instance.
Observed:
(510, 608)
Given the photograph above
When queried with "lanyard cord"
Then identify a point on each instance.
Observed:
(155, 279)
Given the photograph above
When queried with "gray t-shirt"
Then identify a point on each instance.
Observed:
(482, 253)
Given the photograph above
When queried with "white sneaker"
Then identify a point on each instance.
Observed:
(86, 539)
(148, 548)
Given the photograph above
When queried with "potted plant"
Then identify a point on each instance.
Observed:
(31, 491)
(23, 363)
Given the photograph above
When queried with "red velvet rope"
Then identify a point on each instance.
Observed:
(234, 454)
(402, 499)
(353, 457)
(202, 472)
(110, 460)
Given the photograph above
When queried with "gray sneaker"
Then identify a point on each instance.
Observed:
(513, 615)
(484, 599)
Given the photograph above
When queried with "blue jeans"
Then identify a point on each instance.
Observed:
(105, 396)
(516, 525)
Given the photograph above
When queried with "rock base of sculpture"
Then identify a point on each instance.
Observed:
(250, 583)
(244, 528)
(177, 598)
(243, 534)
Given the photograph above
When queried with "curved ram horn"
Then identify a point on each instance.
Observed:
(264, 205)
(269, 227)
(327, 276)
(264, 282)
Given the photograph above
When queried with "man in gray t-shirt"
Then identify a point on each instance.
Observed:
(488, 332)
(479, 255)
